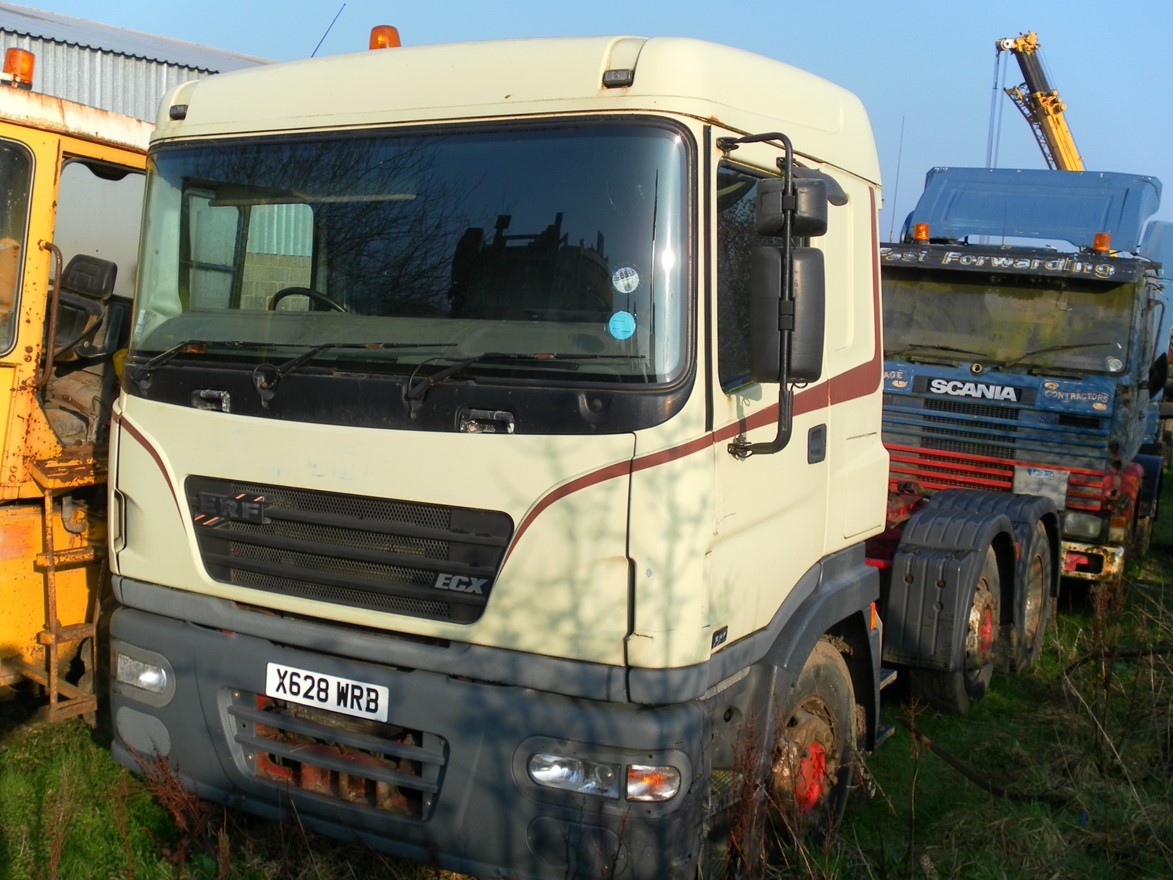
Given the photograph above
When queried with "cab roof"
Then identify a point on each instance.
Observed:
(1069, 206)
(517, 78)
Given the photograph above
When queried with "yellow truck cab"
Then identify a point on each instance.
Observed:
(498, 438)
(71, 188)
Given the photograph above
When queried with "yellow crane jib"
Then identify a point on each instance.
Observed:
(1041, 105)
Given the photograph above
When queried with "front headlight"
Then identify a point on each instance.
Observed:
(1088, 526)
(140, 674)
(574, 774)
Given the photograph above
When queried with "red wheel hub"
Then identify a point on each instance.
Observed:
(812, 770)
(986, 631)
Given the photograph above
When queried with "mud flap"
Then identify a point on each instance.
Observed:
(1023, 511)
(927, 603)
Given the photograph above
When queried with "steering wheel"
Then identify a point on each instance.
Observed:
(307, 292)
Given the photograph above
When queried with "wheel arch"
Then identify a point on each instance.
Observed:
(1023, 511)
(937, 563)
(839, 610)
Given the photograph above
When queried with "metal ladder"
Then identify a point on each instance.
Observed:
(65, 699)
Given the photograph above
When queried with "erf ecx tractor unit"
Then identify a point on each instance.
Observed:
(499, 437)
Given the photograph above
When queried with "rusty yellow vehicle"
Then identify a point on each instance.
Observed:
(71, 184)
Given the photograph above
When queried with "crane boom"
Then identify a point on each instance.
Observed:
(1040, 104)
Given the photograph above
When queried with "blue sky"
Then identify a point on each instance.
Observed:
(925, 71)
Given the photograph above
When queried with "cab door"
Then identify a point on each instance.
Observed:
(771, 509)
(70, 213)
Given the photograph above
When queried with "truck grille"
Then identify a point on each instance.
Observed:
(943, 431)
(947, 444)
(935, 470)
(370, 765)
(381, 554)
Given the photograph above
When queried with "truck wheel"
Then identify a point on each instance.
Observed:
(813, 760)
(1037, 601)
(957, 691)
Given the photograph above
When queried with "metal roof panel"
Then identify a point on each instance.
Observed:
(41, 24)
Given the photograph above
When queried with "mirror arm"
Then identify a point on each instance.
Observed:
(741, 448)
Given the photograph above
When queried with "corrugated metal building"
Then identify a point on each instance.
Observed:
(108, 67)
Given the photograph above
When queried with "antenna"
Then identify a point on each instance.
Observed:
(328, 29)
(896, 186)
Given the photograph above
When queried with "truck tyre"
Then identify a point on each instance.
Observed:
(957, 690)
(1036, 608)
(813, 760)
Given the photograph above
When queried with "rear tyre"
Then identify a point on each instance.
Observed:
(1037, 601)
(958, 690)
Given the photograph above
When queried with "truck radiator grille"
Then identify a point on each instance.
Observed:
(380, 554)
(943, 431)
(948, 443)
(961, 407)
(935, 469)
(370, 765)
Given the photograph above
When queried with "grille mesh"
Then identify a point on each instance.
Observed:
(941, 443)
(376, 767)
(359, 551)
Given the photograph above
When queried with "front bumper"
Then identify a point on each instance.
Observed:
(1100, 563)
(443, 781)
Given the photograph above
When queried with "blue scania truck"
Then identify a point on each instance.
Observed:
(1027, 322)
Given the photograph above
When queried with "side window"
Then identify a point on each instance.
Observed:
(16, 177)
(99, 212)
(736, 240)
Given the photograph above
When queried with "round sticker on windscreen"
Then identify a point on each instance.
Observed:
(1114, 365)
(625, 279)
(621, 325)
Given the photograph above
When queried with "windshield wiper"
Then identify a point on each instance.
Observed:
(266, 376)
(141, 373)
(922, 346)
(1047, 349)
(416, 390)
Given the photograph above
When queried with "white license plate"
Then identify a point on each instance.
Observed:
(357, 698)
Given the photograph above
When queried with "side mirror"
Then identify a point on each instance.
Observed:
(810, 207)
(771, 315)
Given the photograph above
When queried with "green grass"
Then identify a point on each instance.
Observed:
(66, 810)
(1067, 769)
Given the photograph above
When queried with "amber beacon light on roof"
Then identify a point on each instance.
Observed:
(384, 36)
(18, 68)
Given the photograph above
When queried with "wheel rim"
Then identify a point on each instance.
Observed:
(983, 627)
(808, 784)
(1036, 584)
(805, 764)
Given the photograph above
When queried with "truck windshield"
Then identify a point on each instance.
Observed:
(15, 173)
(405, 252)
(1081, 327)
